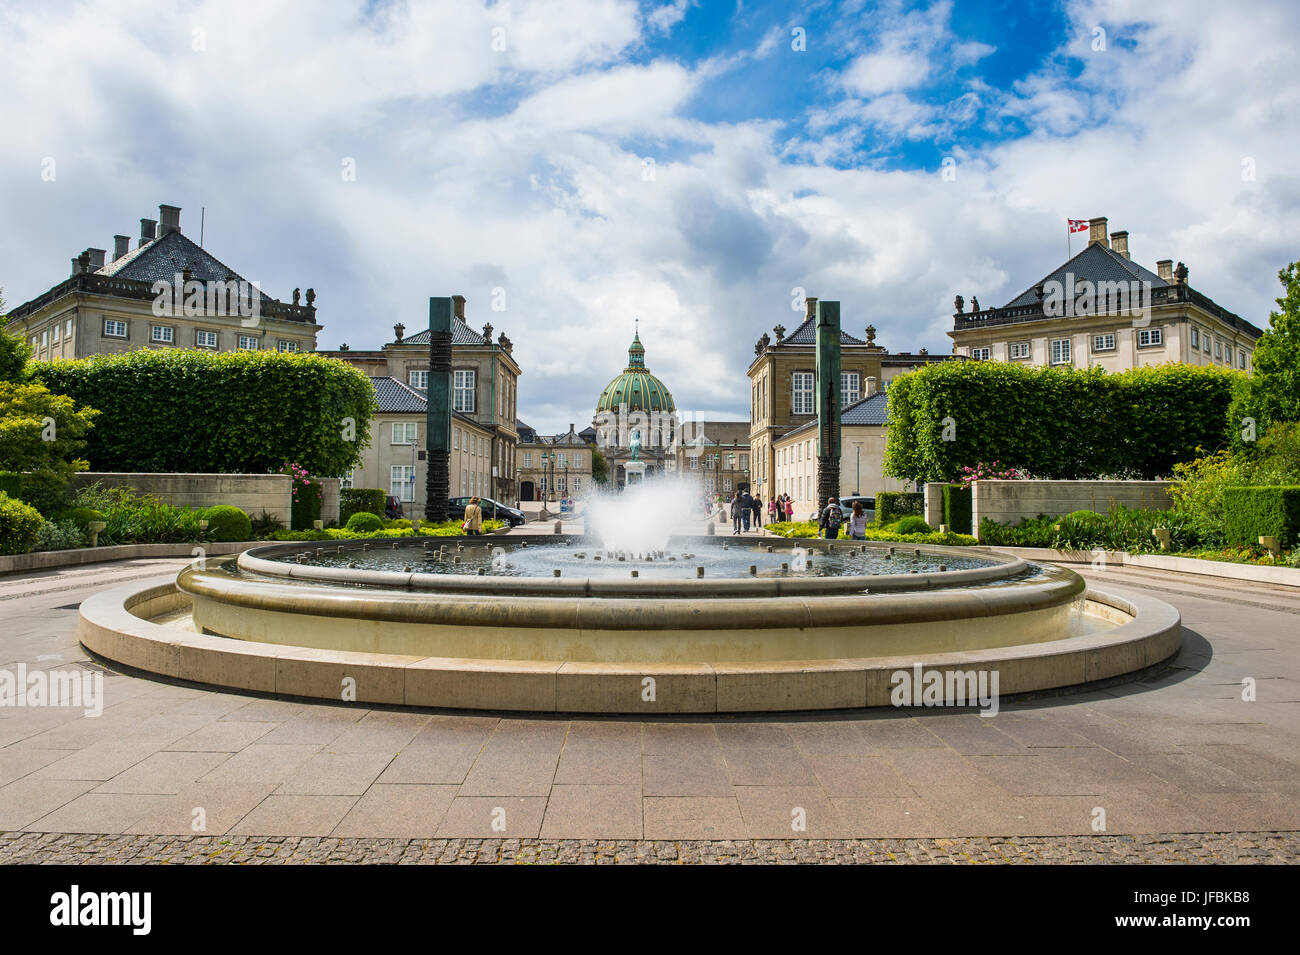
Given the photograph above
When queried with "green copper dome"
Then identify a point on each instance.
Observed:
(636, 387)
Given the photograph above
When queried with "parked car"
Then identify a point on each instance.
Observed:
(868, 506)
(492, 510)
(393, 508)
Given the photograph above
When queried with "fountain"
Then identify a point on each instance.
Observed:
(628, 618)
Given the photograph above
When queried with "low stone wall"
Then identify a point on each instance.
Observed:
(251, 493)
(1009, 502)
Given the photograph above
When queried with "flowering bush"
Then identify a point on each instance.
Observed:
(307, 495)
(989, 472)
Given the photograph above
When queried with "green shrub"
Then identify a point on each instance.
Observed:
(891, 505)
(354, 499)
(957, 505)
(913, 525)
(63, 535)
(1139, 422)
(1037, 531)
(234, 412)
(306, 505)
(132, 518)
(1253, 512)
(801, 529)
(445, 529)
(46, 490)
(364, 522)
(228, 523)
(20, 525)
(83, 516)
(265, 524)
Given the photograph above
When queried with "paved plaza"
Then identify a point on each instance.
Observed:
(1173, 768)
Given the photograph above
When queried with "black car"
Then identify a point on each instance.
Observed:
(492, 510)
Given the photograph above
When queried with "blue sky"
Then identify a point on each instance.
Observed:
(506, 146)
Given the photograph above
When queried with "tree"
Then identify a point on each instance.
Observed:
(14, 355)
(1272, 392)
(41, 437)
(599, 467)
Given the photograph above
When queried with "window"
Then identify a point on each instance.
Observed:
(1205, 343)
(205, 339)
(455, 439)
(286, 346)
(248, 343)
(1196, 338)
(980, 354)
(1019, 350)
(113, 328)
(577, 485)
(45, 338)
(803, 392)
(1241, 356)
(850, 388)
(577, 459)
(528, 459)
(420, 379)
(1227, 354)
(348, 478)
(695, 462)
(564, 460)
(401, 482)
(67, 331)
(1103, 342)
(162, 333)
(1150, 336)
(56, 333)
(464, 387)
(1060, 351)
(744, 462)
(1218, 350)
(404, 432)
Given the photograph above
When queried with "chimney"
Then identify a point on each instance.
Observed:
(121, 246)
(458, 306)
(169, 219)
(1165, 269)
(871, 385)
(75, 268)
(148, 230)
(1097, 232)
(398, 331)
(810, 306)
(1119, 242)
(96, 259)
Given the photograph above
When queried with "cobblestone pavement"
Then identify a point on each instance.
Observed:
(1262, 848)
(1180, 751)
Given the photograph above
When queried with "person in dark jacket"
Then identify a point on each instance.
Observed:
(830, 520)
(747, 509)
(736, 507)
(758, 510)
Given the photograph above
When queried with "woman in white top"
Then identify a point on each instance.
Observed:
(858, 522)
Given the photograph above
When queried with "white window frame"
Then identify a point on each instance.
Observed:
(1019, 350)
(114, 323)
(1059, 351)
(1196, 337)
(463, 388)
(347, 480)
(1241, 355)
(55, 333)
(1218, 350)
(400, 477)
(850, 388)
(45, 337)
(803, 398)
(245, 340)
(200, 335)
(405, 432)
(1205, 343)
(1150, 337)
(162, 334)
(1227, 354)
(983, 353)
(418, 379)
(285, 345)
(1107, 342)
(67, 331)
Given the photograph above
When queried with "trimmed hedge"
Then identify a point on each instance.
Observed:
(891, 505)
(20, 525)
(1250, 513)
(228, 523)
(364, 522)
(1059, 423)
(354, 499)
(801, 529)
(228, 412)
(913, 524)
(958, 504)
(306, 505)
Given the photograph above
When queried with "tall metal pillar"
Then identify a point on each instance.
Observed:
(437, 431)
(828, 401)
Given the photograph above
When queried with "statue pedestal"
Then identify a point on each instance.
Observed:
(634, 473)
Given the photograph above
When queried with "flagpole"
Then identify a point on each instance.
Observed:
(1069, 249)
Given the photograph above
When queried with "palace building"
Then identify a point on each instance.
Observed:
(1102, 309)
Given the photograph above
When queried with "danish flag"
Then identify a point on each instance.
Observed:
(1077, 225)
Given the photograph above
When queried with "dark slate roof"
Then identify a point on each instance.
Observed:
(161, 258)
(461, 334)
(872, 409)
(806, 334)
(527, 433)
(397, 397)
(1096, 263)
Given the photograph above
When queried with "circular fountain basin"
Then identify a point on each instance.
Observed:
(490, 626)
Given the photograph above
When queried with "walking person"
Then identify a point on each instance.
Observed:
(746, 509)
(736, 506)
(858, 522)
(831, 519)
(473, 525)
(758, 510)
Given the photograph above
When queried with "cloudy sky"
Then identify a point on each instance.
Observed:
(693, 164)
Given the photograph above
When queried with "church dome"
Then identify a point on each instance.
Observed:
(636, 387)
